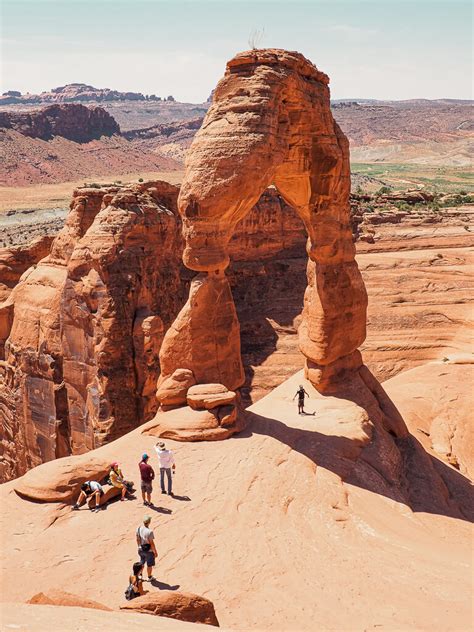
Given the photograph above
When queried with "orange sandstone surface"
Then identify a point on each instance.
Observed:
(298, 523)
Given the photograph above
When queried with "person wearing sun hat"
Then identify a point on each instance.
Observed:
(166, 460)
(147, 475)
(146, 546)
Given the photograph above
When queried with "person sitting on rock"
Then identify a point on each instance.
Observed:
(117, 480)
(146, 546)
(166, 460)
(135, 587)
(147, 475)
(90, 491)
(300, 393)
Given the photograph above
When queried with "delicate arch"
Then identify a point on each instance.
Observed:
(270, 123)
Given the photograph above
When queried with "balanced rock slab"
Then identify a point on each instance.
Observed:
(207, 396)
(187, 424)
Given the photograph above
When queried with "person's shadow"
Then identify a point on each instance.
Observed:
(176, 497)
(163, 585)
(162, 510)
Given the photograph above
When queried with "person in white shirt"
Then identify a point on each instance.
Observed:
(166, 460)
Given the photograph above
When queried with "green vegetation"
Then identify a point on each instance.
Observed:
(431, 178)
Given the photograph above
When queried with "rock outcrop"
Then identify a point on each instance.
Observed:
(82, 329)
(175, 605)
(60, 481)
(62, 598)
(72, 121)
(269, 123)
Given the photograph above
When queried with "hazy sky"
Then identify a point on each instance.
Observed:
(386, 49)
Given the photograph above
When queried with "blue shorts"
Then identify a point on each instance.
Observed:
(147, 557)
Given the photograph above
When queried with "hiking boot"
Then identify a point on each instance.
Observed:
(163, 491)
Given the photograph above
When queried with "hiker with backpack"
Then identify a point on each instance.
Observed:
(135, 582)
(90, 491)
(146, 546)
(147, 474)
(300, 393)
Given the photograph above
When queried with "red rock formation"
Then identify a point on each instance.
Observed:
(84, 327)
(73, 121)
(175, 605)
(270, 123)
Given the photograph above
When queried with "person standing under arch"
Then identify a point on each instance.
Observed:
(301, 393)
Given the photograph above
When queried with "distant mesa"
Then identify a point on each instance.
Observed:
(76, 92)
(72, 121)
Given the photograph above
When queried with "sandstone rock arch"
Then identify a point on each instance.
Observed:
(270, 123)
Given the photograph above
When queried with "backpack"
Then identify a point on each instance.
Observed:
(130, 593)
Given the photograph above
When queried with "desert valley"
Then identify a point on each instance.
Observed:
(176, 272)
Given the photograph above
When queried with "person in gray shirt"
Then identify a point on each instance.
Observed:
(146, 546)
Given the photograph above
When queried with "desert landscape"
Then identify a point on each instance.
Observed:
(178, 272)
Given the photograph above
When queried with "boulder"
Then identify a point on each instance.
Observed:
(172, 391)
(207, 396)
(175, 605)
(187, 424)
(59, 481)
(56, 597)
(110, 492)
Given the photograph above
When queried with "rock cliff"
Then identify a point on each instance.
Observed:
(84, 325)
(72, 121)
(83, 328)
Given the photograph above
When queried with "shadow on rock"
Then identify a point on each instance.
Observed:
(392, 463)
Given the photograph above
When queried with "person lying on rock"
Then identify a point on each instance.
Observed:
(166, 460)
(147, 474)
(117, 480)
(90, 491)
(300, 393)
(146, 546)
(135, 582)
